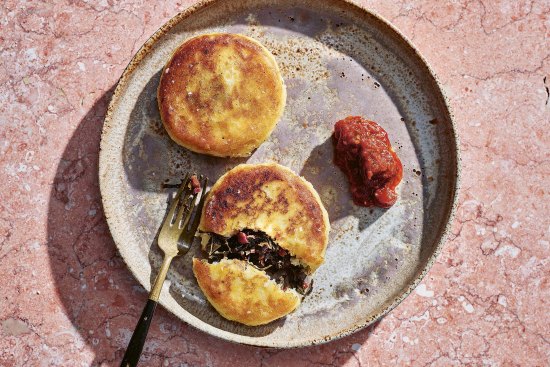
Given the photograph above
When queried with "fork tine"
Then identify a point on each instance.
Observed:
(196, 220)
(192, 206)
(184, 207)
(175, 201)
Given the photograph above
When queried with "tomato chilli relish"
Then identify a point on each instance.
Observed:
(363, 152)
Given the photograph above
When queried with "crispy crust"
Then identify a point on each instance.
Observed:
(273, 199)
(242, 293)
(221, 94)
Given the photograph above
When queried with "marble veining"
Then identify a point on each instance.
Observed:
(67, 297)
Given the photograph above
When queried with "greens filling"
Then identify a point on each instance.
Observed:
(260, 251)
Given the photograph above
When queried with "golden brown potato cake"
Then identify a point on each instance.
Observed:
(269, 198)
(273, 200)
(221, 94)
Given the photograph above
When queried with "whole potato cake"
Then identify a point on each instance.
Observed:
(221, 94)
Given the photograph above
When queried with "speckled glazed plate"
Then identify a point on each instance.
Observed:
(337, 60)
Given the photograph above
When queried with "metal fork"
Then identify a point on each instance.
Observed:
(175, 238)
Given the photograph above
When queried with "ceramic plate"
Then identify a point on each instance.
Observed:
(337, 60)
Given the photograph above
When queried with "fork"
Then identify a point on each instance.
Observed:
(175, 238)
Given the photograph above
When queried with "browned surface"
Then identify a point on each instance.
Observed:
(242, 293)
(221, 94)
(272, 199)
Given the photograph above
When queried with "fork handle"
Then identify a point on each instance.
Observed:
(133, 352)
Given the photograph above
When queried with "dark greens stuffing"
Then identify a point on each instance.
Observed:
(263, 253)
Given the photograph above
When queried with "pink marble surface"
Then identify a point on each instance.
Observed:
(67, 298)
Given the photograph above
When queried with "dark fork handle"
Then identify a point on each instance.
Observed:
(133, 352)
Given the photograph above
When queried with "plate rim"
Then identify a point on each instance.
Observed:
(250, 340)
